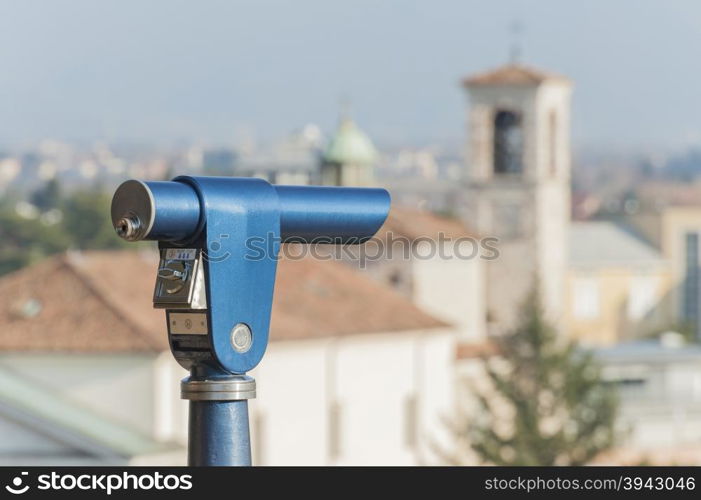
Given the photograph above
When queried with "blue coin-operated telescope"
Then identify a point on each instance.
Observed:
(219, 239)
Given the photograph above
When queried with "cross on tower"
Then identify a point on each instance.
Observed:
(515, 52)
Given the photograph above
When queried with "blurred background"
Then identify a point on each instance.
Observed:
(566, 132)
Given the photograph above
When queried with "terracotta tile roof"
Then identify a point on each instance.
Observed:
(55, 306)
(513, 74)
(476, 350)
(75, 303)
(322, 298)
(413, 223)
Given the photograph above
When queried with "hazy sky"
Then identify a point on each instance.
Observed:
(163, 70)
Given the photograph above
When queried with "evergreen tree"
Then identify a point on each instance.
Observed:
(85, 225)
(87, 222)
(547, 404)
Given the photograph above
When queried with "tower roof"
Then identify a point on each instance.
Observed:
(350, 145)
(513, 75)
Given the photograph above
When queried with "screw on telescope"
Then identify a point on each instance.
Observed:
(241, 338)
(128, 228)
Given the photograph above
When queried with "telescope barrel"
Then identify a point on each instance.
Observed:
(337, 214)
(171, 211)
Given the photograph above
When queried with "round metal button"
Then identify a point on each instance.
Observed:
(241, 338)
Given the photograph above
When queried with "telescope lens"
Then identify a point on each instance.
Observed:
(128, 228)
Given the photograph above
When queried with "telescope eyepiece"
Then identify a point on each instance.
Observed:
(172, 211)
(129, 228)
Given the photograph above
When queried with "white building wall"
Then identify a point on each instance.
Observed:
(553, 214)
(553, 151)
(437, 388)
(288, 416)
(170, 412)
(452, 288)
(372, 378)
(666, 410)
(375, 379)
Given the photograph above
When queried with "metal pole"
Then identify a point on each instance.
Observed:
(219, 433)
(218, 425)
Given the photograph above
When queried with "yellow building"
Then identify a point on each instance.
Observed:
(618, 285)
(676, 231)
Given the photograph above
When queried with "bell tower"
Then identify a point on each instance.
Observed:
(517, 184)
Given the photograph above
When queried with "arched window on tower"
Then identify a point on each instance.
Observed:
(552, 140)
(508, 143)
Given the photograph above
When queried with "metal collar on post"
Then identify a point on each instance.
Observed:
(218, 424)
(232, 388)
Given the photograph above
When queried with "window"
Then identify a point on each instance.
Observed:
(395, 278)
(642, 296)
(411, 421)
(334, 430)
(585, 298)
(632, 388)
(691, 278)
(552, 140)
(508, 143)
(259, 438)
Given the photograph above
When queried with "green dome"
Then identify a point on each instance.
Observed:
(350, 145)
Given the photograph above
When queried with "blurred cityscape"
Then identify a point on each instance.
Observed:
(391, 354)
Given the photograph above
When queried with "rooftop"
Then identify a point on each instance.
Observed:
(413, 223)
(350, 145)
(476, 350)
(513, 74)
(54, 415)
(649, 351)
(606, 244)
(102, 302)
